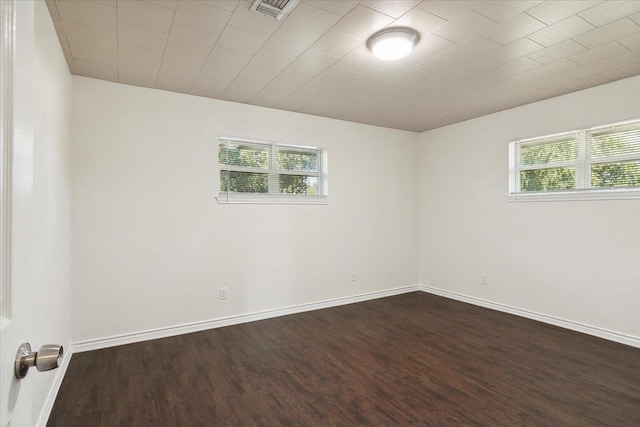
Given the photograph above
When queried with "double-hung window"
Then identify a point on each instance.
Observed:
(262, 172)
(601, 162)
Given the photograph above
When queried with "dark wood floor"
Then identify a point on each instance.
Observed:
(409, 360)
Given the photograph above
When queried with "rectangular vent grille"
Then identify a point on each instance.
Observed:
(273, 8)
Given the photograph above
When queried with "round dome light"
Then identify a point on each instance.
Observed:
(393, 43)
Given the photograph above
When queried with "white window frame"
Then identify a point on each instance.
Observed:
(274, 196)
(582, 165)
(7, 19)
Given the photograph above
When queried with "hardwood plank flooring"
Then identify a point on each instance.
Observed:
(409, 360)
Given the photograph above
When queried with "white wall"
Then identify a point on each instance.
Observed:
(576, 260)
(40, 222)
(51, 244)
(151, 246)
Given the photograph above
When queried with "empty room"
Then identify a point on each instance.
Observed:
(319, 213)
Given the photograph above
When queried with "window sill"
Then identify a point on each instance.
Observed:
(271, 200)
(563, 196)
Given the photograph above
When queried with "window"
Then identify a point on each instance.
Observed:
(602, 162)
(262, 172)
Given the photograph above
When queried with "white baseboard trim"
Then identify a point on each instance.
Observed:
(95, 344)
(545, 318)
(55, 387)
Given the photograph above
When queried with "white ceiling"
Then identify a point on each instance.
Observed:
(474, 58)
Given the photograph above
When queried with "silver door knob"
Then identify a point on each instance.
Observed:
(47, 358)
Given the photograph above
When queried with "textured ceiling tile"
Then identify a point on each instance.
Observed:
(610, 11)
(513, 29)
(192, 39)
(97, 56)
(392, 8)
(339, 7)
(306, 18)
(219, 72)
(139, 72)
(599, 53)
(287, 41)
(631, 42)
(241, 41)
(551, 12)
(472, 47)
(273, 59)
(179, 72)
(228, 58)
(561, 31)
(211, 84)
(169, 4)
(201, 17)
(553, 68)
(356, 62)
(420, 20)
(623, 72)
(556, 52)
(297, 75)
(431, 45)
(97, 71)
(145, 15)
(514, 50)
(247, 85)
(465, 26)
(500, 10)
(88, 13)
(141, 37)
(140, 56)
(258, 73)
(607, 33)
(587, 82)
(446, 9)
(361, 22)
(228, 5)
(591, 69)
(336, 43)
(185, 57)
(79, 35)
(283, 85)
(626, 58)
(314, 60)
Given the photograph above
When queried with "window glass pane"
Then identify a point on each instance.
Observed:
(298, 184)
(292, 160)
(246, 155)
(609, 143)
(551, 152)
(625, 174)
(244, 182)
(547, 179)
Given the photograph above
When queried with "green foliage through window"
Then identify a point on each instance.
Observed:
(547, 179)
(551, 152)
(263, 168)
(598, 158)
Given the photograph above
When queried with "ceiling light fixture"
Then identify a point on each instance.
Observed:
(393, 43)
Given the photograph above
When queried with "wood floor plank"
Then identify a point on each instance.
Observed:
(409, 360)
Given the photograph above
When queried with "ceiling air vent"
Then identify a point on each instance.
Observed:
(273, 8)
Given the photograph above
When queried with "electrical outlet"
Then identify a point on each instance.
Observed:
(353, 276)
(483, 278)
(223, 293)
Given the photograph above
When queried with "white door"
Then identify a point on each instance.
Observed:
(17, 170)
